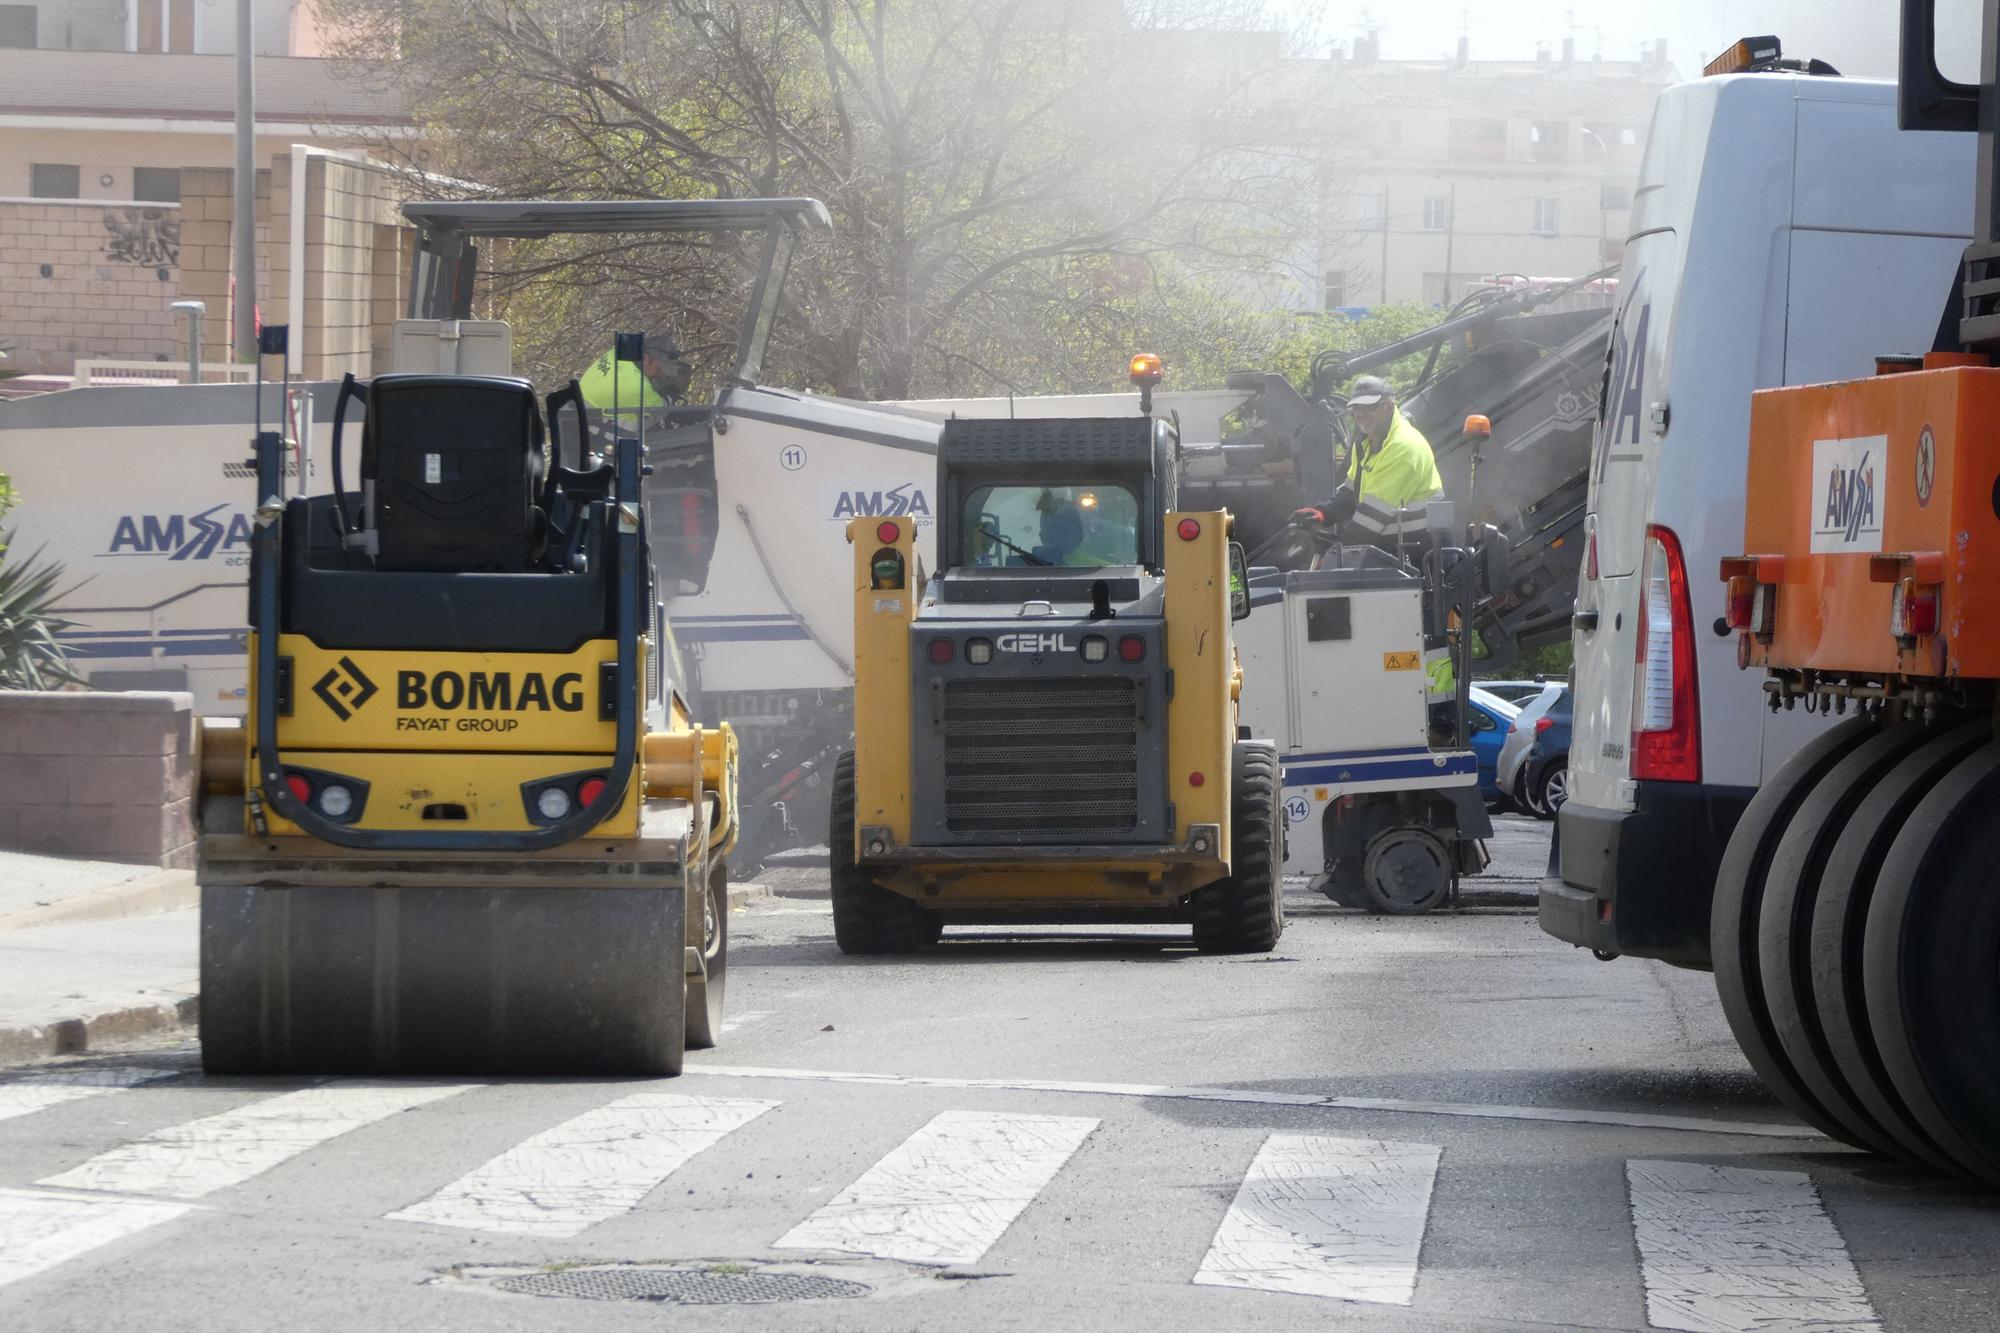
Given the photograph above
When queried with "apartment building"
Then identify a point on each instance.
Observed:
(1451, 170)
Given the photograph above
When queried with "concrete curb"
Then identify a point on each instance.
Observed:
(742, 895)
(73, 1036)
(148, 895)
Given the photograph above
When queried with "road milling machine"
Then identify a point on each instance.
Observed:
(1046, 727)
(469, 823)
(1856, 920)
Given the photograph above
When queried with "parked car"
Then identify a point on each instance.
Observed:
(1516, 692)
(1543, 782)
(1488, 717)
(1521, 739)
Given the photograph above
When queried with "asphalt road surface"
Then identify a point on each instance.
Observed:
(1447, 1122)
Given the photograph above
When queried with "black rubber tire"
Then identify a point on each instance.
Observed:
(1847, 886)
(1737, 911)
(1546, 804)
(1792, 886)
(1384, 903)
(706, 992)
(1931, 965)
(867, 918)
(1245, 913)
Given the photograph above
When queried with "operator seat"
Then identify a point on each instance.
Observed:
(451, 469)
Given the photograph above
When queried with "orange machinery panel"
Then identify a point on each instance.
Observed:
(1864, 493)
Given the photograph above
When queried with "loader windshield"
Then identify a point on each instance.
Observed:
(1087, 525)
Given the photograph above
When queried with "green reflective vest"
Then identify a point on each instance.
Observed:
(1402, 471)
(609, 380)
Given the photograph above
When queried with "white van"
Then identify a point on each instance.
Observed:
(1784, 232)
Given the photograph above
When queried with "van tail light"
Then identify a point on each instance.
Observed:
(1666, 703)
(1590, 549)
(1913, 609)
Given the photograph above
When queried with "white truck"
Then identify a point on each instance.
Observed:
(1779, 225)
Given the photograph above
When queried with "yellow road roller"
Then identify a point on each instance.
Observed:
(467, 825)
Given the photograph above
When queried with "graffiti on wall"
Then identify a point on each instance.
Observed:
(144, 236)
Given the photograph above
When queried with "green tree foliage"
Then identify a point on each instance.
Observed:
(1023, 191)
(1383, 324)
(31, 656)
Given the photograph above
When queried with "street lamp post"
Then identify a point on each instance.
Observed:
(1604, 179)
(243, 228)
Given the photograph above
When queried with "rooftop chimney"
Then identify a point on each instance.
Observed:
(1464, 50)
(1569, 50)
(1542, 56)
(1367, 48)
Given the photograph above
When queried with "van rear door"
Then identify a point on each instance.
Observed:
(1621, 493)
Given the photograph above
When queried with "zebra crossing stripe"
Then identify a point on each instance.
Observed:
(55, 1088)
(1317, 1216)
(1729, 1250)
(946, 1193)
(200, 1157)
(39, 1231)
(601, 1164)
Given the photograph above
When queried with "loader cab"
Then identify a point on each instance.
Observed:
(1058, 498)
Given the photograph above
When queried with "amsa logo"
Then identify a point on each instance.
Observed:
(199, 536)
(908, 500)
(1034, 643)
(1848, 478)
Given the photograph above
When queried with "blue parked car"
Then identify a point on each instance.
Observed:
(1544, 777)
(1489, 717)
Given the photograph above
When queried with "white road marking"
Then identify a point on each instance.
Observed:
(200, 1157)
(1327, 1217)
(41, 1090)
(39, 1231)
(603, 1163)
(730, 1024)
(948, 1191)
(1251, 1096)
(1728, 1250)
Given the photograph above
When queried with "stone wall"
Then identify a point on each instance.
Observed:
(101, 775)
(87, 279)
(354, 270)
(82, 280)
(208, 210)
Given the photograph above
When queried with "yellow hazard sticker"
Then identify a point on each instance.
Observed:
(1402, 661)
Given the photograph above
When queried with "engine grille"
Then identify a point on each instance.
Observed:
(1042, 759)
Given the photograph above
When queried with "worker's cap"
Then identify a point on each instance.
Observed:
(1368, 391)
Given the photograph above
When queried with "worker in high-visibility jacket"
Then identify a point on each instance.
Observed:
(612, 385)
(1392, 463)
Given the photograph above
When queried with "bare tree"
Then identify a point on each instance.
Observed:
(1022, 189)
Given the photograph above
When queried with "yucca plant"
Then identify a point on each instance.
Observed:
(31, 656)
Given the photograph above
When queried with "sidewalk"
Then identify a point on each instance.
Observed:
(92, 952)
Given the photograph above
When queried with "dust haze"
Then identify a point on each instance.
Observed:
(1858, 37)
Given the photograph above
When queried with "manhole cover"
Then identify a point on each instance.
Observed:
(681, 1286)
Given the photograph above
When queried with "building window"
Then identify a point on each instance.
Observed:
(17, 26)
(1545, 217)
(52, 180)
(1478, 140)
(1549, 141)
(1437, 213)
(1615, 197)
(1333, 290)
(157, 185)
(1368, 212)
